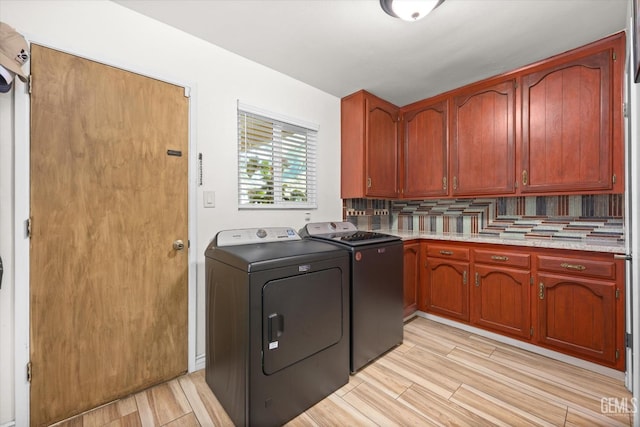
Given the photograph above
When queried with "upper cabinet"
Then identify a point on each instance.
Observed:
(553, 127)
(571, 122)
(369, 147)
(483, 140)
(425, 154)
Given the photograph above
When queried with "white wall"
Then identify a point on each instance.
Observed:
(107, 32)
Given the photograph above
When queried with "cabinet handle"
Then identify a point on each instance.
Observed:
(368, 182)
(477, 279)
(578, 267)
(499, 258)
(525, 177)
(443, 252)
(541, 290)
(455, 182)
(444, 182)
(464, 277)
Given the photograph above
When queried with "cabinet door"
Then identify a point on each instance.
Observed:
(411, 277)
(577, 316)
(381, 148)
(483, 141)
(425, 151)
(446, 288)
(567, 137)
(501, 300)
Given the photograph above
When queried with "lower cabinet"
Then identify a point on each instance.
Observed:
(580, 307)
(411, 276)
(568, 301)
(501, 293)
(447, 277)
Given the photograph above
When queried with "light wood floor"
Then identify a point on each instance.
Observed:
(439, 376)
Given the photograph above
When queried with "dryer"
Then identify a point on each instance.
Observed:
(277, 323)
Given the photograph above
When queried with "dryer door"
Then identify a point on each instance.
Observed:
(301, 315)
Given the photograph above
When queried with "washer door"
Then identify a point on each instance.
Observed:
(301, 315)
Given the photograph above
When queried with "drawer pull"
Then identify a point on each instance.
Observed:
(443, 252)
(499, 258)
(573, 266)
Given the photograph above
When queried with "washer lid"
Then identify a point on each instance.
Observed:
(345, 233)
(246, 236)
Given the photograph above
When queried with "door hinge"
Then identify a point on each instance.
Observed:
(617, 293)
(625, 113)
(617, 354)
(628, 341)
(27, 227)
(614, 55)
(29, 367)
(531, 332)
(531, 281)
(29, 83)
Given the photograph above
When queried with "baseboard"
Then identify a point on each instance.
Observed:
(201, 363)
(613, 373)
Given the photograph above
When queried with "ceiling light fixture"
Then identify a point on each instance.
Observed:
(409, 10)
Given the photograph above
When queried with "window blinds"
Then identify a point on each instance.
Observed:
(276, 162)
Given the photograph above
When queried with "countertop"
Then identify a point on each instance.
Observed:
(593, 245)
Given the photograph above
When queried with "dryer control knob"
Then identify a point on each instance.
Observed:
(261, 233)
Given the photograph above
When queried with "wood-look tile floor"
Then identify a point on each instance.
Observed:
(439, 376)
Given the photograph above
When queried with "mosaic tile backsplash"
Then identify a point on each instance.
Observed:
(559, 217)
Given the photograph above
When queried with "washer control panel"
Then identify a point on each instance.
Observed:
(247, 236)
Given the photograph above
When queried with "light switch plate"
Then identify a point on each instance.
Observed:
(209, 199)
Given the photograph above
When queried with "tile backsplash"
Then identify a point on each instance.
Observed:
(565, 217)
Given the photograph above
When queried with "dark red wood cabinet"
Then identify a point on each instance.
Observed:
(483, 140)
(370, 147)
(571, 122)
(446, 281)
(501, 292)
(426, 150)
(564, 300)
(411, 276)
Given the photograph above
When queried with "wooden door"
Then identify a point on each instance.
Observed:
(426, 151)
(578, 316)
(108, 199)
(411, 276)
(447, 291)
(501, 300)
(483, 141)
(567, 129)
(381, 148)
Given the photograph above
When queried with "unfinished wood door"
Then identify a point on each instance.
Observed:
(109, 176)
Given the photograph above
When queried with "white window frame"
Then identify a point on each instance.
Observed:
(310, 132)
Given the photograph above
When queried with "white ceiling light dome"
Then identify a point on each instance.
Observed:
(409, 10)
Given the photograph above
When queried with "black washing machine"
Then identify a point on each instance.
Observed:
(376, 287)
(277, 323)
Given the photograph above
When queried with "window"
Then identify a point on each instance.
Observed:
(276, 161)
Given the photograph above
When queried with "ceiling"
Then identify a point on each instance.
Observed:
(341, 46)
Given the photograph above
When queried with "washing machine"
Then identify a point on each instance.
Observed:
(277, 323)
(376, 287)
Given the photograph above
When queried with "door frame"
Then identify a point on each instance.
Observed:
(21, 187)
